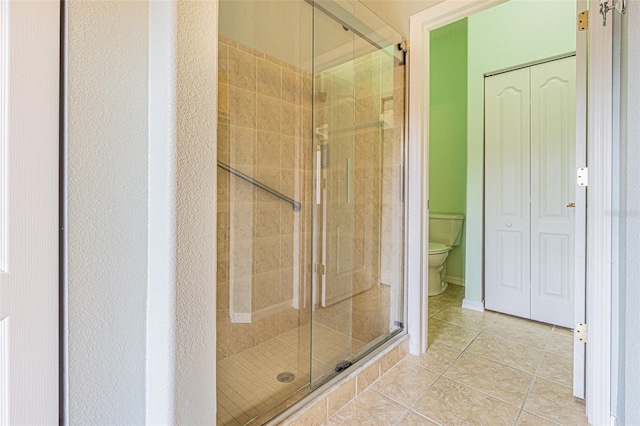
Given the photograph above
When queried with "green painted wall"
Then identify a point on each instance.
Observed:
(511, 34)
(448, 129)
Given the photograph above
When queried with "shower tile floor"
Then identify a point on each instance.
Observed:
(247, 384)
(482, 368)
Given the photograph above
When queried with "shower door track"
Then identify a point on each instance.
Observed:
(295, 204)
(360, 32)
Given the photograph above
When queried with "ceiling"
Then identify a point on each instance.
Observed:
(396, 13)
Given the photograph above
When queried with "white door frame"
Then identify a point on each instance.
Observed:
(599, 151)
(598, 210)
(418, 160)
(29, 172)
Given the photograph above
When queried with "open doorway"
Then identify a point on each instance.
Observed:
(507, 36)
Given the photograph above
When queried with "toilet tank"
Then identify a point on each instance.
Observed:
(445, 228)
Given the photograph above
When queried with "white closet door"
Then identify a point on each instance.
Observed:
(553, 123)
(507, 186)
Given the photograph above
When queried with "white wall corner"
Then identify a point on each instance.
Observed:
(196, 173)
(181, 314)
(473, 305)
(160, 365)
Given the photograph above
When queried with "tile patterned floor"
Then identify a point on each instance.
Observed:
(482, 368)
(246, 381)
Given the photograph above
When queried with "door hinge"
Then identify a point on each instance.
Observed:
(619, 5)
(583, 20)
(403, 46)
(581, 332)
(320, 269)
(582, 176)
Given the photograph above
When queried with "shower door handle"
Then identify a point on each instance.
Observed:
(318, 175)
(348, 180)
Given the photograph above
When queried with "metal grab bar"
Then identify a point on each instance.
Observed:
(294, 203)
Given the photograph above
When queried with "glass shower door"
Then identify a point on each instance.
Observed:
(358, 104)
(310, 212)
(333, 210)
(263, 196)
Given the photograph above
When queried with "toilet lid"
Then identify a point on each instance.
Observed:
(437, 248)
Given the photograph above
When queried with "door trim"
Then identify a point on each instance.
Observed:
(599, 151)
(30, 75)
(580, 272)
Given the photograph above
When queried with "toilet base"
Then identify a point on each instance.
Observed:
(443, 286)
(437, 284)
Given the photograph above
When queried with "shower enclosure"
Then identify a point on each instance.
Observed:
(310, 198)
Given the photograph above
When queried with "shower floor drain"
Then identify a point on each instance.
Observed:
(286, 377)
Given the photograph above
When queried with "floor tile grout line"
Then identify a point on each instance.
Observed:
(245, 413)
(250, 374)
(409, 406)
(502, 363)
(424, 393)
(482, 392)
(554, 382)
(404, 414)
(411, 410)
(469, 353)
(533, 381)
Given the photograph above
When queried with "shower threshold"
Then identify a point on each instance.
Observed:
(321, 387)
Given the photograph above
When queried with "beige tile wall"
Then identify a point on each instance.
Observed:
(264, 131)
(264, 247)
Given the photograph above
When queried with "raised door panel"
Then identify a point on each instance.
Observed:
(507, 233)
(553, 191)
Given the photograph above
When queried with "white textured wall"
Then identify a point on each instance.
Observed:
(628, 408)
(142, 111)
(107, 210)
(197, 81)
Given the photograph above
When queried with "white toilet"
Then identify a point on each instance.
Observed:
(445, 232)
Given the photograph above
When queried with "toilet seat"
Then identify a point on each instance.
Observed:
(437, 248)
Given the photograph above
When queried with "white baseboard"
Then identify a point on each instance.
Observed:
(475, 306)
(454, 280)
